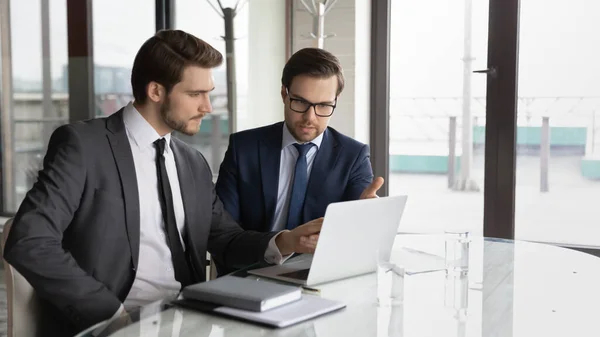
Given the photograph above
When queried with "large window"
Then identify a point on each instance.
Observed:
(33, 72)
(558, 135)
(444, 118)
(36, 74)
(257, 59)
(437, 112)
(212, 139)
(114, 50)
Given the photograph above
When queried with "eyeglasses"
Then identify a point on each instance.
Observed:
(302, 106)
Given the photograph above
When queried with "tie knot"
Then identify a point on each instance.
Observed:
(160, 145)
(303, 148)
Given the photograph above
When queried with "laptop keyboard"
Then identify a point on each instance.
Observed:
(301, 274)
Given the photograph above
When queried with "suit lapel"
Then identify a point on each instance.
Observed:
(270, 156)
(186, 184)
(121, 150)
(188, 187)
(323, 165)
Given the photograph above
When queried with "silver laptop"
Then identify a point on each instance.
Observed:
(352, 233)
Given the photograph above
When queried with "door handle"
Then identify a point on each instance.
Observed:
(492, 72)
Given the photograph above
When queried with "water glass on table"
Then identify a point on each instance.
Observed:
(457, 251)
(390, 280)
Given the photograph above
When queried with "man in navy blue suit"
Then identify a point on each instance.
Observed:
(280, 176)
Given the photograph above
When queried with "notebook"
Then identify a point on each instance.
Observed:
(243, 293)
(308, 307)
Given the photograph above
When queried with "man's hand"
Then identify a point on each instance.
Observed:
(371, 190)
(302, 239)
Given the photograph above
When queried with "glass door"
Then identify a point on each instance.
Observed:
(438, 112)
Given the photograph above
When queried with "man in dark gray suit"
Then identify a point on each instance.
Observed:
(122, 213)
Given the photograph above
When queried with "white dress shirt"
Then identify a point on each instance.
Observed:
(287, 166)
(155, 277)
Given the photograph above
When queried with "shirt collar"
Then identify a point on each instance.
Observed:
(141, 131)
(288, 139)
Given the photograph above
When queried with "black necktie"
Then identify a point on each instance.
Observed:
(298, 187)
(182, 270)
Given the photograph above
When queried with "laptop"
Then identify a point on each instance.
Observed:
(352, 234)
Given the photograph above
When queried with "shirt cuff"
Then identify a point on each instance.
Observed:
(272, 254)
(116, 315)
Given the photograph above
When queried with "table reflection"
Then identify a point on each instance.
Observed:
(509, 289)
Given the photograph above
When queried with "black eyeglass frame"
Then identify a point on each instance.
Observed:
(310, 105)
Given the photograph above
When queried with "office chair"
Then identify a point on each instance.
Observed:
(23, 307)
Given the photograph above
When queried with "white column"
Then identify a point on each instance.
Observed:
(266, 58)
(362, 70)
(350, 21)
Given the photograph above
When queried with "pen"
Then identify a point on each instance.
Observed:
(311, 290)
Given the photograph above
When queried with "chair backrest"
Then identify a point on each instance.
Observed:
(23, 306)
(211, 268)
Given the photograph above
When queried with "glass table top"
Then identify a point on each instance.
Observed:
(512, 288)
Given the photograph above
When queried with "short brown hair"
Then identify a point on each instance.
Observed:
(163, 58)
(314, 62)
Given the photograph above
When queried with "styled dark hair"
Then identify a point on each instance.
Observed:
(314, 62)
(163, 58)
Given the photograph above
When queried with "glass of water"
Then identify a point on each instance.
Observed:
(456, 291)
(457, 251)
(390, 280)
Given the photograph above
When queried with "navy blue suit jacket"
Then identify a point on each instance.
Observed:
(249, 175)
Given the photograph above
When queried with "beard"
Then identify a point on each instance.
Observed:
(172, 122)
(294, 129)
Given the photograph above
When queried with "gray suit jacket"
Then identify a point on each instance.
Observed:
(76, 236)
